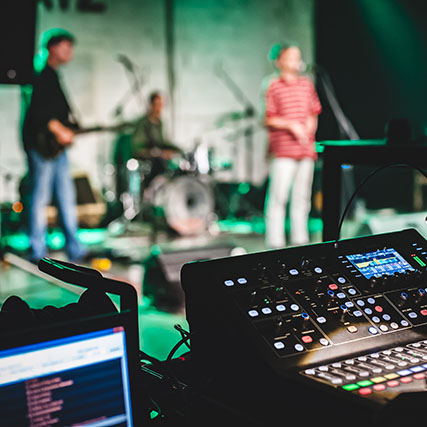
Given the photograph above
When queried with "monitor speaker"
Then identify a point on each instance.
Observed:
(162, 282)
(17, 39)
(377, 224)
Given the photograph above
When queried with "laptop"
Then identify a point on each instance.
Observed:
(76, 373)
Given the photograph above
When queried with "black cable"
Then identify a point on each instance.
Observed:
(363, 183)
(184, 334)
(151, 359)
(169, 375)
(176, 347)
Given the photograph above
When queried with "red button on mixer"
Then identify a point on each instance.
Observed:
(393, 383)
(419, 376)
(333, 287)
(378, 309)
(424, 312)
(365, 391)
(307, 339)
(379, 387)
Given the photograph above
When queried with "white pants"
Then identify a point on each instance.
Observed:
(295, 176)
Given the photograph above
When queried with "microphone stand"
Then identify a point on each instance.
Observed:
(249, 112)
(346, 131)
(131, 197)
(346, 128)
(135, 86)
(117, 111)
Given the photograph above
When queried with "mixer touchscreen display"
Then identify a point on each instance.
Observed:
(380, 262)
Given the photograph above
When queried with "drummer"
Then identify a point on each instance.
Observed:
(148, 141)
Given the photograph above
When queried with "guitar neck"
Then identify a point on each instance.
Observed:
(80, 131)
(89, 130)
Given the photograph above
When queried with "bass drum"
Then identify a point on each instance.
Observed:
(187, 203)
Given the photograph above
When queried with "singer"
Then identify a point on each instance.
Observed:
(291, 110)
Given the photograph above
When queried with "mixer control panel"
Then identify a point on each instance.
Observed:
(379, 375)
(352, 316)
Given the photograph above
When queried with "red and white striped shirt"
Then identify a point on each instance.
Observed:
(294, 100)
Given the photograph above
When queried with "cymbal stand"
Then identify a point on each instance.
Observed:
(131, 199)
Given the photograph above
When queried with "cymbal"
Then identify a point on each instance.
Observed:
(163, 151)
(164, 146)
(168, 147)
(231, 116)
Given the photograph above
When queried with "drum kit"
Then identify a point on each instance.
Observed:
(167, 186)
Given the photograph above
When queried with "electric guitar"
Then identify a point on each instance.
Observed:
(48, 146)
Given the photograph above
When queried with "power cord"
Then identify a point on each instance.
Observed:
(185, 337)
(169, 375)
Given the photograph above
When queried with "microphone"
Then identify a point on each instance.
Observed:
(307, 68)
(125, 61)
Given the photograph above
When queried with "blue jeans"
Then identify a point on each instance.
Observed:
(47, 178)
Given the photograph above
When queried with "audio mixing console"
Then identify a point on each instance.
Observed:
(349, 318)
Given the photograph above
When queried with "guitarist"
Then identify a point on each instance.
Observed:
(49, 172)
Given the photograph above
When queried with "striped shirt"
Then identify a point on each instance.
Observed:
(294, 100)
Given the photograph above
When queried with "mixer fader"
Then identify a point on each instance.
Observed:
(350, 317)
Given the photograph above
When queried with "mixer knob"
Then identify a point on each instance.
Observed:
(261, 270)
(403, 298)
(397, 277)
(374, 283)
(344, 317)
(306, 263)
(318, 285)
(415, 274)
(253, 297)
(261, 267)
(305, 321)
(420, 295)
(331, 301)
(385, 281)
(281, 265)
(279, 327)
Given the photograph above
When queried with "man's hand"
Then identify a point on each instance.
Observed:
(64, 135)
(300, 132)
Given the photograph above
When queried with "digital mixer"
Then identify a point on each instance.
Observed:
(346, 317)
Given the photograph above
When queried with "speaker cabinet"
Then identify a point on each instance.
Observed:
(162, 281)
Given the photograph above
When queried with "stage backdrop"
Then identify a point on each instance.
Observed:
(188, 49)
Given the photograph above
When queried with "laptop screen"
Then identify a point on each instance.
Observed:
(80, 379)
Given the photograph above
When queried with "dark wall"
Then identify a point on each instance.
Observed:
(17, 34)
(375, 53)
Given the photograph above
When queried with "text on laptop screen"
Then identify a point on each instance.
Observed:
(78, 380)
